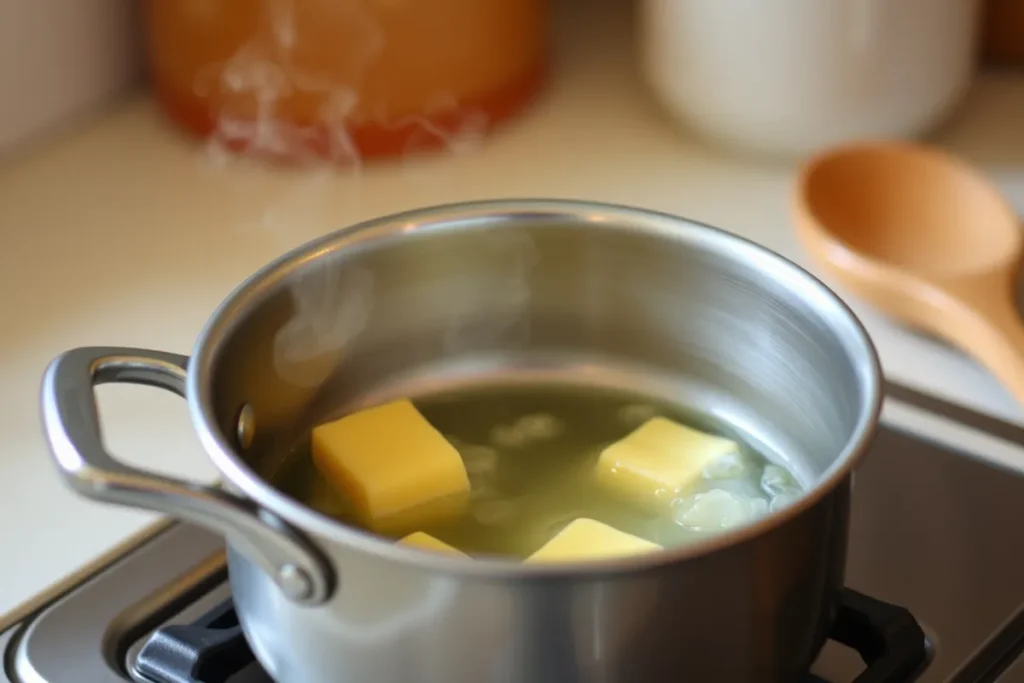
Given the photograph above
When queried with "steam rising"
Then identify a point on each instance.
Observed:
(264, 71)
(331, 308)
(331, 305)
(503, 291)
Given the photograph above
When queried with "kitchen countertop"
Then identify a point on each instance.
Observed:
(122, 232)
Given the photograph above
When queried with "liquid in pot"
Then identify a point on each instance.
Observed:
(530, 454)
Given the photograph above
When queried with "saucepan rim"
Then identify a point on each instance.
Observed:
(839, 318)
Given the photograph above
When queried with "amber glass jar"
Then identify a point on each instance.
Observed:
(339, 78)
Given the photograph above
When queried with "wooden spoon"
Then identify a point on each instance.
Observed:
(925, 238)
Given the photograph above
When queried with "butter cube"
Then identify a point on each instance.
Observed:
(424, 541)
(587, 539)
(391, 464)
(659, 459)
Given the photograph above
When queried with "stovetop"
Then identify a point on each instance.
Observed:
(935, 578)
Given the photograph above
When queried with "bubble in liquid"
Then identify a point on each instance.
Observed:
(717, 509)
(479, 460)
(507, 436)
(728, 466)
(635, 414)
(782, 500)
(777, 480)
(540, 426)
(526, 430)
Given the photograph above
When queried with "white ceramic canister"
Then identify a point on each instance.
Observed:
(786, 77)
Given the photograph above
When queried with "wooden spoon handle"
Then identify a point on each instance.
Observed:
(991, 330)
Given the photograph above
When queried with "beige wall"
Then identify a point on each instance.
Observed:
(59, 61)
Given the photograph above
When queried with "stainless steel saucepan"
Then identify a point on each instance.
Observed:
(545, 290)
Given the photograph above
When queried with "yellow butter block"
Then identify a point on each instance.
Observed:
(424, 541)
(659, 459)
(587, 539)
(391, 464)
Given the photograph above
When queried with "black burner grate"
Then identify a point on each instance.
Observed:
(213, 650)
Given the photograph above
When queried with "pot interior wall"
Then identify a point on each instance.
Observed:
(666, 308)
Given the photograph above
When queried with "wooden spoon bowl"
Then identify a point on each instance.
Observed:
(925, 238)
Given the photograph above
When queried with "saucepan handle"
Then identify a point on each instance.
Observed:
(71, 424)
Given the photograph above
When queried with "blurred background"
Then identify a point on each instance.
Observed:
(776, 77)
